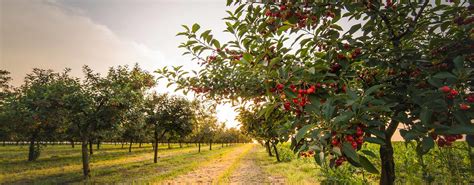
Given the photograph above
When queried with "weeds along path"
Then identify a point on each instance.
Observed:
(211, 171)
(247, 171)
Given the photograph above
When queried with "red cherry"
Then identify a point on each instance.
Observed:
(346, 46)
(359, 132)
(309, 91)
(360, 140)
(295, 100)
(302, 103)
(349, 138)
(453, 92)
(301, 91)
(287, 105)
(354, 145)
(464, 106)
(335, 142)
(441, 142)
(445, 89)
(280, 86)
(282, 8)
(470, 99)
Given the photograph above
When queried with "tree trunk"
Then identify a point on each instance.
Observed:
(155, 159)
(169, 146)
(210, 144)
(267, 145)
(85, 159)
(4, 144)
(387, 174)
(199, 144)
(180, 145)
(140, 144)
(72, 143)
(123, 143)
(130, 146)
(17, 143)
(33, 153)
(276, 152)
(90, 147)
(222, 145)
(98, 144)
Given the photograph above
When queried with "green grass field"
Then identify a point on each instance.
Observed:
(62, 164)
(59, 164)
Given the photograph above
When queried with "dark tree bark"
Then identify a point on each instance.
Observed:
(98, 144)
(387, 174)
(276, 152)
(222, 145)
(140, 144)
(72, 143)
(90, 147)
(123, 143)
(169, 146)
(199, 144)
(130, 146)
(33, 153)
(155, 158)
(210, 144)
(267, 145)
(85, 159)
(4, 144)
(180, 145)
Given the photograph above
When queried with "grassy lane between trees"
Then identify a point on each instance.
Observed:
(62, 164)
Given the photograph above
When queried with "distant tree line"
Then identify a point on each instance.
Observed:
(118, 107)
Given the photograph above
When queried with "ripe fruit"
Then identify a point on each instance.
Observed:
(445, 89)
(335, 142)
(349, 138)
(287, 105)
(282, 8)
(453, 92)
(354, 145)
(309, 91)
(470, 99)
(464, 106)
(280, 86)
(359, 132)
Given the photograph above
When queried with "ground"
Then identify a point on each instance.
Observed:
(235, 164)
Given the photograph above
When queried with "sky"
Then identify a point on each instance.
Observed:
(55, 34)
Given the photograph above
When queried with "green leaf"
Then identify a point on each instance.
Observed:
(369, 153)
(444, 74)
(354, 28)
(302, 132)
(425, 115)
(427, 144)
(319, 158)
(350, 152)
(374, 140)
(284, 28)
(367, 165)
(373, 89)
(459, 62)
(195, 28)
(457, 129)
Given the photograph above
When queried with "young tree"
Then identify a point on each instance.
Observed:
(102, 103)
(167, 114)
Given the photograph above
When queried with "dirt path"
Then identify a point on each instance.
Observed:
(248, 172)
(210, 172)
(235, 167)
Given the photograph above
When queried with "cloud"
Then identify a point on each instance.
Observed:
(45, 35)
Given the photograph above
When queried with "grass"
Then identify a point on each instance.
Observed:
(296, 171)
(62, 164)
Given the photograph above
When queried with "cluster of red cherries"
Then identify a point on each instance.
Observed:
(445, 140)
(452, 93)
(356, 140)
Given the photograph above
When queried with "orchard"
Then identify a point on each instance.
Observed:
(339, 74)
